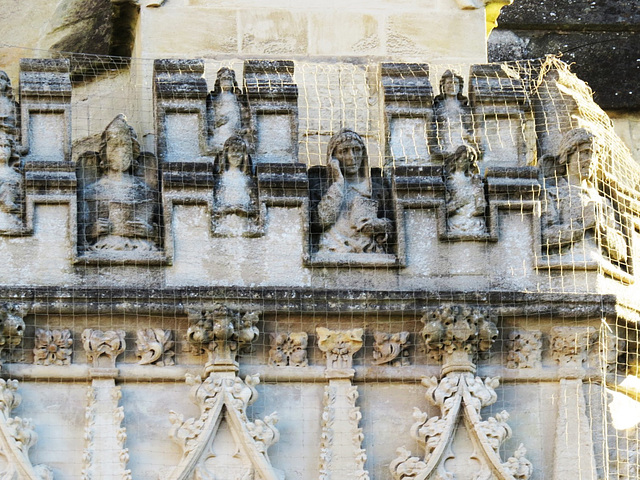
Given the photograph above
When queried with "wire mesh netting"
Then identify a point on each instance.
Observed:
(329, 240)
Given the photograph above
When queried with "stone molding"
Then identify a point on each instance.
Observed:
(224, 397)
(52, 347)
(155, 346)
(289, 349)
(391, 348)
(102, 348)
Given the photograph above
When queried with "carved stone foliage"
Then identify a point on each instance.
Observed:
(222, 333)
(236, 209)
(11, 327)
(457, 334)
(351, 209)
(227, 111)
(460, 397)
(222, 443)
(154, 346)
(118, 196)
(570, 345)
(289, 349)
(52, 347)
(102, 348)
(391, 348)
(465, 200)
(453, 116)
(11, 175)
(524, 349)
(17, 436)
(339, 346)
(577, 218)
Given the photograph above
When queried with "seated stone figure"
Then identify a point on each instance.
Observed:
(453, 118)
(236, 193)
(119, 208)
(575, 214)
(351, 211)
(11, 185)
(7, 102)
(226, 110)
(465, 198)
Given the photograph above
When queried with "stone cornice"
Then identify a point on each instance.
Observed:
(179, 300)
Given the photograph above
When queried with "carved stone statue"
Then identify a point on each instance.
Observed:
(118, 210)
(7, 102)
(351, 210)
(575, 212)
(454, 121)
(11, 184)
(465, 198)
(226, 110)
(236, 196)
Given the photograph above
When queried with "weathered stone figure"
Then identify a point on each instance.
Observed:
(454, 121)
(235, 189)
(353, 213)
(11, 183)
(574, 211)
(236, 197)
(226, 109)
(465, 198)
(119, 207)
(7, 102)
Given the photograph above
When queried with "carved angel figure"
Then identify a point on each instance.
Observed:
(11, 183)
(453, 118)
(351, 210)
(575, 213)
(119, 209)
(226, 110)
(465, 198)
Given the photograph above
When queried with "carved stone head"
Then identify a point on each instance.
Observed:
(226, 81)
(464, 160)
(119, 147)
(578, 150)
(351, 152)
(452, 85)
(235, 155)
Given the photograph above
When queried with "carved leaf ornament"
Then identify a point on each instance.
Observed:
(457, 335)
(224, 399)
(16, 437)
(460, 397)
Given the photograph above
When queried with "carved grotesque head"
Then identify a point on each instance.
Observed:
(235, 155)
(451, 84)
(578, 151)
(119, 146)
(226, 81)
(349, 149)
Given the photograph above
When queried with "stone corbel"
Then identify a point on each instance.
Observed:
(457, 335)
(341, 452)
(17, 436)
(223, 334)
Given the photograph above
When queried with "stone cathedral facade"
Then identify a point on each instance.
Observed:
(269, 251)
